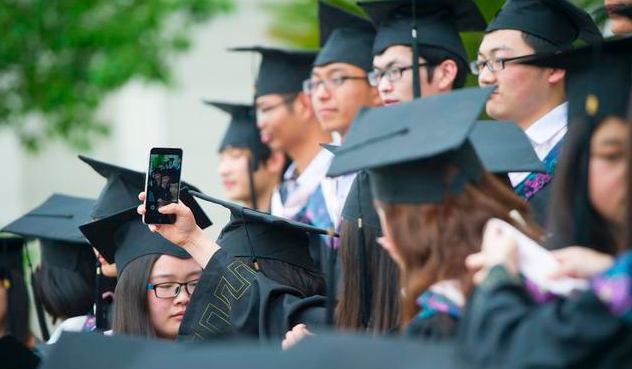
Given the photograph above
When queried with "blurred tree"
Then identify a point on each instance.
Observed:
(59, 59)
(295, 22)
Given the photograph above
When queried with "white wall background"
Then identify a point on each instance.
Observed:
(143, 116)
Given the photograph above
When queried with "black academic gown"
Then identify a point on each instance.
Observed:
(504, 328)
(232, 300)
(440, 327)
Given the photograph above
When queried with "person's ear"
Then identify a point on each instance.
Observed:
(445, 74)
(303, 106)
(275, 163)
(556, 76)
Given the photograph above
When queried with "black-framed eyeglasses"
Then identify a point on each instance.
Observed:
(311, 85)
(171, 290)
(284, 101)
(494, 64)
(392, 74)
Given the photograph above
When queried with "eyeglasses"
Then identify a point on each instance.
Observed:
(392, 74)
(286, 99)
(494, 64)
(171, 290)
(311, 85)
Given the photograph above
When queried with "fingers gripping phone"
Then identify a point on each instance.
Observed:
(162, 184)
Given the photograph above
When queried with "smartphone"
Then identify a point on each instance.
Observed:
(162, 184)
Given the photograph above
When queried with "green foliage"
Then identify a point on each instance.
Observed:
(60, 58)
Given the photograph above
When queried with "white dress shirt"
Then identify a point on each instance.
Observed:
(544, 134)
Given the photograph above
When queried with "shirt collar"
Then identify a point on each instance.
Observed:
(547, 126)
(321, 160)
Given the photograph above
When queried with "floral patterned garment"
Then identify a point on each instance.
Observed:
(614, 287)
(536, 181)
(315, 213)
(431, 303)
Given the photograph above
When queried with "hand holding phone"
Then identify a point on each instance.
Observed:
(162, 183)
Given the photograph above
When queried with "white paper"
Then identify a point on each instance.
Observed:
(537, 263)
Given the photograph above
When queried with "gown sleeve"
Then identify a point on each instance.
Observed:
(232, 300)
(439, 327)
(504, 327)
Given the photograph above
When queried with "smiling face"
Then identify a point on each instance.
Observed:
(524, 93)
(166, 314)
(607, 170)
(620, 24)
(336, 106)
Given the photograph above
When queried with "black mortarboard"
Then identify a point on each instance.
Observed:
(557, 21)
(122, 189)
(123, 237)
(598, 78)
(408, 157)
(282, 71)
(359, 203)
(15, 355)
(503, 147)
(344, 37)
(242, 131)
(255, 234)
(439, 23)
(56, 224)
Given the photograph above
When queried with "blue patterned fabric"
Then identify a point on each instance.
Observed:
(614, 287)
(431, 303)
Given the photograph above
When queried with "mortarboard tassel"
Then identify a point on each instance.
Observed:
(415, 44)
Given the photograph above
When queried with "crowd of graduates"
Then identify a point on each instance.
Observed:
(376, 220)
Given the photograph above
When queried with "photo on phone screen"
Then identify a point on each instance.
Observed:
(163, 183)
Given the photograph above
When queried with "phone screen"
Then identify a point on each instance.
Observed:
(163, 183)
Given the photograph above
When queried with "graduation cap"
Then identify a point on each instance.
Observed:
(16, 355)
(259, 235)
(557, 21)
(282, 71)
(598, 78)
(242, 130)
(344, 37)
(503, 147)
(408, 158)
(439, 23)
(122, 189)
(123, 237)
(243, 133)
(56, 224)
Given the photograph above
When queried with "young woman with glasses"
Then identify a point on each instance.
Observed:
(152, 295)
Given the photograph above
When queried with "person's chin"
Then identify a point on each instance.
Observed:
(621, 26)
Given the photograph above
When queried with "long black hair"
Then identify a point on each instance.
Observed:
(381, 282)
(66, 293)
(17, 319)
(574, 220)
(131, 309)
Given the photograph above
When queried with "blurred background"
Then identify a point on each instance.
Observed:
(112, 78)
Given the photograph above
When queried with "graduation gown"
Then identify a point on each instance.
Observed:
(232, 300)
(504, 327)
(437, 319)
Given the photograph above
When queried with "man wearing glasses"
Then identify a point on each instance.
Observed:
(287, 123)
(532, 97)
(443, 62)
(339, 86)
